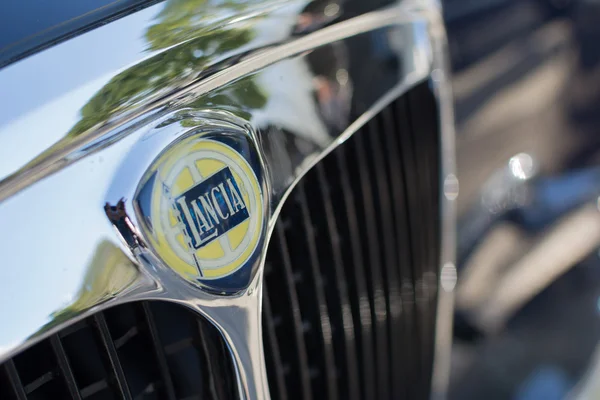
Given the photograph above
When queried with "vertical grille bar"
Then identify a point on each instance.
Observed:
(409, 175)
(404, 252)
(421, 172)
(272, 350)
(302, 360)
(113, 358)
(347, 327)
(15, 381)
(122, 351)
(211, 386)
(385, 213)
(421, 209)
(380, 301)
(211, 368)
(159, 352)
(64, 367)
(325, 322)
(365, 304)
(424, 124)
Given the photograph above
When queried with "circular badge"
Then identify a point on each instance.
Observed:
(202, 204)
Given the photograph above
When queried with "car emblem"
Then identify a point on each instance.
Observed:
(202, 209)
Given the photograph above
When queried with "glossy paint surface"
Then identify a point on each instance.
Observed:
(30, 25)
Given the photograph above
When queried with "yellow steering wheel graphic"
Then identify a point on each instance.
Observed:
(228, 191)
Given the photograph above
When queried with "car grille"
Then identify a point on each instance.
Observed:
(349, 301)
(148, 350)
(351, 273)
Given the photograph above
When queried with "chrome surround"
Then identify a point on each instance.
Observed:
(441, 78)
(60, 289)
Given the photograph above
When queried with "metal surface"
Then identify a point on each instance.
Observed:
(65, 160)
(133, 350)
(330, 238)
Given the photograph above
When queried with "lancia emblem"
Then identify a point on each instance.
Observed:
(201, 203)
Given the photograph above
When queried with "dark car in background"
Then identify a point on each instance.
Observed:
(526, 107)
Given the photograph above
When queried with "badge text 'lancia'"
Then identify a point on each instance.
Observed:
(210, 209)
(202, 204)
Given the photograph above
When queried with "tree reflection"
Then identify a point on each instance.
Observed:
(181, 60)
(196, 44)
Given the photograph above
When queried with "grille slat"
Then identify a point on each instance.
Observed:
(403, 248)
(122, 341)
(216, 387)
(40, 381)
(159, 352)
(419, 169)
(83, 361)
(94, 388)
(409, 175)
(390, 272)
(15, 381)
(283, 285)
(329, 368)
(13, 387)
(362, 183)
(348, 361)
(112, 356)
(424, 121)
(365, 218)
(65, 368)
(355, 261)
(212, 389)
(272, 353)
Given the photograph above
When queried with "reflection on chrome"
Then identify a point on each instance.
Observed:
(196, 38)
(109, 274)
(170, 70)
(448, 277)
(451, 187)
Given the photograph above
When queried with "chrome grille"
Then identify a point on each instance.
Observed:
(351, 274)
(349, 299)
(147, 350)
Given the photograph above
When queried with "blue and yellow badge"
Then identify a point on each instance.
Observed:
(203, 210)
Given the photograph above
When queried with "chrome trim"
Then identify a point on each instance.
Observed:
(441, 78)
(95, 168)
(64, 155)
(121, 49)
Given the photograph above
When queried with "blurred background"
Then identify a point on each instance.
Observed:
(527, 102)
